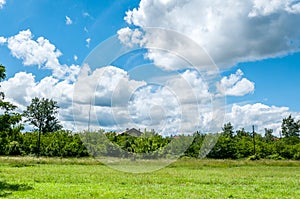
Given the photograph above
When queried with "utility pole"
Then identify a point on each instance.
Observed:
(253, 137)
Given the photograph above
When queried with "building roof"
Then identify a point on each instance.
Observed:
(133, 132)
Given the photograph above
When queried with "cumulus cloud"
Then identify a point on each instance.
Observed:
(180, 105)
(156, 108)
(68, 20)
(235, 85)
(105, 88)
(32, 52)
(130, 37)
(260, 115)
(3, 40)
(21, 88)
(117, 102)
(230, 31)
(39, 52)
(2, 3)
(108, 87)
(264, 8)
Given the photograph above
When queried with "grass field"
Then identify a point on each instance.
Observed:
(87, 178)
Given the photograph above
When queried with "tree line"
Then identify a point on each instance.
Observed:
(49, 139)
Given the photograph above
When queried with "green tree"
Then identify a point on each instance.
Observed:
(8, 119)
(290, 127)
(41, 113)
(269, 137)
(228, 130)
(9, 122)
(2, 77)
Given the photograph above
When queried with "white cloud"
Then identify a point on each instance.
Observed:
(88, 41)
(3, 40)
(75, 57)
(156, 108)
(166, 60)
(235, 85)
(40, 52)
(23, 87)
(2, 3)
(230, 31)
(108, 88)
(181, 105)
(68, 20)
(260, 115)
(130, 37)
(264, 8)
(118, 105)
(118, 102)
(32, 52)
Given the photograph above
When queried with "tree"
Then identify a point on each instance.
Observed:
(41, 113)
(290, 127)
(269, 137)
(228, 130)
(9, 122)
(8, 118)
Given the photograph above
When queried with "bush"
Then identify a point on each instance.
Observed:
(297, 156)
(253, 157)
(275, 157)
(14, 148)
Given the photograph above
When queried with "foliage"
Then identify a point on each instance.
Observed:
(56, 144)
(236, 145)
(253, 157)
(8, 118)
(41, 113)
(290, 127)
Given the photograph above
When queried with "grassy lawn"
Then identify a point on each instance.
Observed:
(87, 178)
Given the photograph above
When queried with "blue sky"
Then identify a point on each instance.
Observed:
(254, 45)
(276, 81)
(97, 20)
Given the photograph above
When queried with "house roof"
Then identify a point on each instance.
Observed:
(133, 132)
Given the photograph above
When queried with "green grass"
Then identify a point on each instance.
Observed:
(27, 177)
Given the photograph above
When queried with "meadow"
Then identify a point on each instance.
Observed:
(28, 177)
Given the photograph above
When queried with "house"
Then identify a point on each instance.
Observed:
(133, 132)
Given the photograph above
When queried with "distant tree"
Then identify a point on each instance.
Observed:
(269, 137)
(41, 113)
(242, 133)
(2, 77)
(290, 127)
(8, 118)
(9, 123)
(228, 130)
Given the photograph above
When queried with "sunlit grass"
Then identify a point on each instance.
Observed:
(28, 177)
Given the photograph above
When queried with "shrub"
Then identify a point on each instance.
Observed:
(253, 157)
(275, 157)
